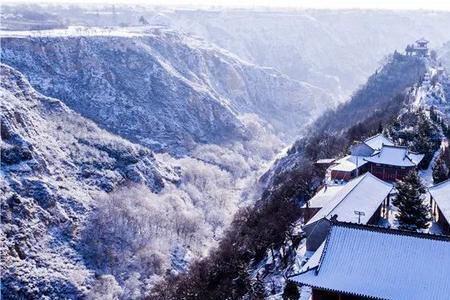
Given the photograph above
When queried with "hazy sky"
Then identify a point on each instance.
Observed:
(332, 4)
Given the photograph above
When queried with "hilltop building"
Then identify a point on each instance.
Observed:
(440, 205)
(419, 48)
(363, 200)
(367, 262)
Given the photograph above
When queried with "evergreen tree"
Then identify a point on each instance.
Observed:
(423, 141)
(440, 171)
(413, 212)
(143, 20)
(380, 128)
(291, 291)
(433, 115)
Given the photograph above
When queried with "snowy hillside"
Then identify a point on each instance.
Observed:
(54, 164)
(379, 100)
(88, 213)
(444, 54)
(417, 117)
(161, 88)
(299, 43)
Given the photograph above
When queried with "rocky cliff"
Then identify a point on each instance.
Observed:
(53, 164)
(161, 88)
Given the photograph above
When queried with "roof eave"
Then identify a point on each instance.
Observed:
(336, 290)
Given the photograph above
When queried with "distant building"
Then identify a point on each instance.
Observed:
(420, 48)
(325, 162)
(392, 163)
(370, 145)
(348, 167)
(363, 200)
(368, 262)
(440, 205)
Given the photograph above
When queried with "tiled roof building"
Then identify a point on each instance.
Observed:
(368, 262)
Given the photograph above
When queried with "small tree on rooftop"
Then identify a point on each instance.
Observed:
(413, 213)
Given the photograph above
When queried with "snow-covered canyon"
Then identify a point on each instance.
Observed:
(126, 151)
(130, 215)
(161, 88)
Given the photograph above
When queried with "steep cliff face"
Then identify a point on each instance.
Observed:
(161, 88)
(53, 164)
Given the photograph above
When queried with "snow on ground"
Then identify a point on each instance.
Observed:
(305, 293)
(427, 174)
(420, 94)
(73, 31)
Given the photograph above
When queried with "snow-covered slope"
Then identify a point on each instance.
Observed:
(379, 100)
(53, 164)
(444, 54)
(417, 119)
(89, 214)
(161, 88)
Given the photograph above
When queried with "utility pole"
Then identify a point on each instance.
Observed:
(359, 214)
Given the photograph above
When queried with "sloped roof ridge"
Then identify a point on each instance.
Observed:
(401, 232)
(379, 180)
(361, 178)
(322, 255)
(439, 184)
(395, 146)
(422, 39)
(373, 136)
(344, 292)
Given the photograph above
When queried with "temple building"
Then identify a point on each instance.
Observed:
(370, 145)
(392, 163)
(377, 155)
(320, 199)
(353, 165)
(347, 168)
(440, 205)
(367, 262)
(363, 200)
(420, 48)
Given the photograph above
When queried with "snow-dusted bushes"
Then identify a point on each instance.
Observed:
(243, 158)
(120, 230)
(105, 287)
(133, 233)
